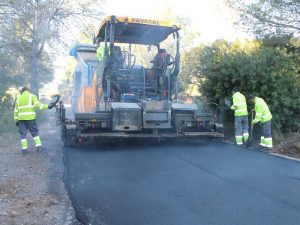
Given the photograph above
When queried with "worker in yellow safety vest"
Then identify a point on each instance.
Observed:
(241, 117)
(263, 116)
(101, 50)
(24, 116)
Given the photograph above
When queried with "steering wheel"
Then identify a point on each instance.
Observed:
(171, 62)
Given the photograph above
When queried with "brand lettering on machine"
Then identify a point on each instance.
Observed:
(145, 21)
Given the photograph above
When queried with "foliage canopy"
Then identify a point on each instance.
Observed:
(269, 17)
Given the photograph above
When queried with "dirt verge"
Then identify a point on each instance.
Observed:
(288, 145)
(31, 187)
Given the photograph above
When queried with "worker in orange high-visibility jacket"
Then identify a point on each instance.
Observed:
(263, 116)
(24, 115)
(241, 117)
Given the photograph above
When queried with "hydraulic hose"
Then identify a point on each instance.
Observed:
(55, 99)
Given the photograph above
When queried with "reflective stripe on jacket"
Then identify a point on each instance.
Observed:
(239, 104)
(262, 112)
(25, 106)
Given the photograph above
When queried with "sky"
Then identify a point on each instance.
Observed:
(212, 18)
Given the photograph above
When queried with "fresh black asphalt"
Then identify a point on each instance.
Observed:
(214, 184)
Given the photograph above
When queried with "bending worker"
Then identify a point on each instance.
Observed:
(264, 116)
(241, 117)
(25, 115)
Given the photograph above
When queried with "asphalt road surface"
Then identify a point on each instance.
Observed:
(214, 184)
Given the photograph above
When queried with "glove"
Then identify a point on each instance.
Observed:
(17, 123)
(254, 121)
(51, 105)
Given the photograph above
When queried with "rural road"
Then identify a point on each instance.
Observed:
(213, 184)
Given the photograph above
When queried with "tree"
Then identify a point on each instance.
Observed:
(269, 17)
(190, 75)
(12, 70)
(187, 35)
(29, 27)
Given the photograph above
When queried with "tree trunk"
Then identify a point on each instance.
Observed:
(34, 78)
(35, 57)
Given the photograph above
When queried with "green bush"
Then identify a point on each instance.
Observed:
(7, 124)
(270, 72)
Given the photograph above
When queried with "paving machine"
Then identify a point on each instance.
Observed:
(125, 87)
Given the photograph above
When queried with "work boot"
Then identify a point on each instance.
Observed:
(248, 144)
(24, 151)
(262, 148)
(40, 148)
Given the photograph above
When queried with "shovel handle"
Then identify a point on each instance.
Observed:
(252, 125)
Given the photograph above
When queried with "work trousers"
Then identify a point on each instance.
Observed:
(30, 125)
(266, 138)
(241, 129)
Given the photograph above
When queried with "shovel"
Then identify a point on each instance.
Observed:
(250, 139)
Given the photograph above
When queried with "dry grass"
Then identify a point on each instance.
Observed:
(288, 144)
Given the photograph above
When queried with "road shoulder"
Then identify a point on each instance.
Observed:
(31, 186)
